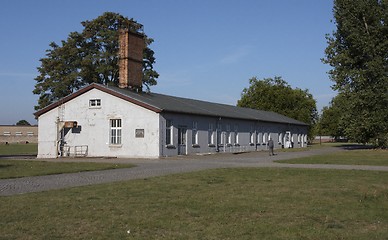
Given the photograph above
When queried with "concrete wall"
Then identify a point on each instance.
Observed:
(93, 128)
(229, 135)
(18, 134)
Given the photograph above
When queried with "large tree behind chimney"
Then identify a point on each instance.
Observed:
(90, 56)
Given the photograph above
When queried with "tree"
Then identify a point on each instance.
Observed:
(23, 123)
(87, 57)
(358, 54)
(331, 122)
(277, 95)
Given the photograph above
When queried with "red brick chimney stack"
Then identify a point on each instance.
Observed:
(131, 46)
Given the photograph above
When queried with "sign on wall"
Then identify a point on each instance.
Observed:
(139, 133)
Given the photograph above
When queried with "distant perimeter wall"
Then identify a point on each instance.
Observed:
(18, 134)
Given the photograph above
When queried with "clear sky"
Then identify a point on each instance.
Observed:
(205, 49)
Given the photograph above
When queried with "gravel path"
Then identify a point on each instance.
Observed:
(146, 168)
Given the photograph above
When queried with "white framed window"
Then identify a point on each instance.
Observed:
(251, 136)
(194, 135)
(169, 128)
(30, 134)
(228, 135)
(115, 131)
(18, 134)
(7, 134)
(236, 134)
(210, 134)
(220, 134)
(95, 103)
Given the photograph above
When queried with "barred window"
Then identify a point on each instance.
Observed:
(210, 135)
(228, 135)
(195, 133)
(115, 131)
(169, 135)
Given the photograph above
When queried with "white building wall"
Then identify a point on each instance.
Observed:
(47, 135)
(94, 127)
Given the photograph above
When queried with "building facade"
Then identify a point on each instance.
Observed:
(102, 121)
(18, 134)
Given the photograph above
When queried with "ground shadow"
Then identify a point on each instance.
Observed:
(5, 165)
(354, 146)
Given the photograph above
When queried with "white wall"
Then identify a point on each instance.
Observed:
(95, 127)
(47, 135)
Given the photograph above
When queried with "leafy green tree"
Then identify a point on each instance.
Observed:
(358, 53)
(331, 120)
(23, 123)
(88, 56)
(277, 95)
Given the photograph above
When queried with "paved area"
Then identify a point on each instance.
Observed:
(146, 168)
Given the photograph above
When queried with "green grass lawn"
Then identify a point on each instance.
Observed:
(19, 149)
(21, 168)
(349, 157)
(253, 203)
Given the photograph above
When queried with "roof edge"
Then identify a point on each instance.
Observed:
(101, 88)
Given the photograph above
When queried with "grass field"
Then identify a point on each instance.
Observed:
(214, 204)
(19, 149)
(248, 203)
(350, 157)
(20, 168)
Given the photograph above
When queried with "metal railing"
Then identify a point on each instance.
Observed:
(75, 151)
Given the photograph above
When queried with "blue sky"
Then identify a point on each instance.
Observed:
(205, 49)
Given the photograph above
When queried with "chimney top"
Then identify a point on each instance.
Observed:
(131, 46)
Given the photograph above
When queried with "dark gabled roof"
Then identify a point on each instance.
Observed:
(164, 103)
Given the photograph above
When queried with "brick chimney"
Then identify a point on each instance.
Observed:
(131, 46)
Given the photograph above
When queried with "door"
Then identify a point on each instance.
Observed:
(182, 150)
(287, 140)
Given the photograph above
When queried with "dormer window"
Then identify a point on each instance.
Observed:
(95, 103)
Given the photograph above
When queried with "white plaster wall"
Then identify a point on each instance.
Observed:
(95, 127)
(47, 135)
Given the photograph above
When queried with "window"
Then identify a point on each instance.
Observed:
(18, 133)
(259, 137)
(220, 138)
(228, 135)
(115, 131)
(30, 134)
(169, 128)
(94, 103)
(251, 136)
(210, 134)
(236, 134)
(194, 139)
(7, 133)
